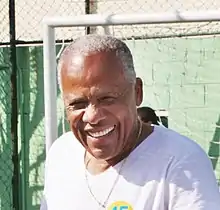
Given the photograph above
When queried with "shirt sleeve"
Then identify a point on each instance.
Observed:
(192, 184)
(43, 205)
(51, 160)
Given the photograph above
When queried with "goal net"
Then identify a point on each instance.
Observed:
(179, 65)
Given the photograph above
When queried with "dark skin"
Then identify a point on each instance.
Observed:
(101, 108)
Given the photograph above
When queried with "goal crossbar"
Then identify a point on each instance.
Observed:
(50, 23)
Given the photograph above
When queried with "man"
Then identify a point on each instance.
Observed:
(110, 160)
(147, 115)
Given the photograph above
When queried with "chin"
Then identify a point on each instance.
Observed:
(100, 154)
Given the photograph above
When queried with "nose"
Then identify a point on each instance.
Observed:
(93, 115)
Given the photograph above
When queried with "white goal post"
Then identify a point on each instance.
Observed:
(51, 23)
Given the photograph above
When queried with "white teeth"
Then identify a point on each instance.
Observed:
(101, 133)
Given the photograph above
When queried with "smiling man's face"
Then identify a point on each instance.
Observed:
(100, 102)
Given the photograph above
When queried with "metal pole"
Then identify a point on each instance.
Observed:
(128, 19)
(14, 108)
(50, 86)
(87, 11)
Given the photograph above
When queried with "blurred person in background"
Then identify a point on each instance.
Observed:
(148, 115)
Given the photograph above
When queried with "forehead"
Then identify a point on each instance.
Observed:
(102, 72)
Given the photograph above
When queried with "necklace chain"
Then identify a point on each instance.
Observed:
(104, 204)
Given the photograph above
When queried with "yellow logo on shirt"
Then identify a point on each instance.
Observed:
(120, 205)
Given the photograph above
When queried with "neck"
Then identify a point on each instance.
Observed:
(95, 166)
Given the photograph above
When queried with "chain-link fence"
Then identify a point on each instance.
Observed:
(29, 15)
(6, 171)
(178, 63)
(4, 18)
(9, 173)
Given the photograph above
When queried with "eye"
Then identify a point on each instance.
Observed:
(77, 105)
(107, 100)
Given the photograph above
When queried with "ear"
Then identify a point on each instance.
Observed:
(139, 91)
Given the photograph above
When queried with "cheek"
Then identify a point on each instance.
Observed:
(124, 113)
(74, 119)
(76, 126)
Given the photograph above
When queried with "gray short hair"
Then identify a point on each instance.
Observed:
(91, 44)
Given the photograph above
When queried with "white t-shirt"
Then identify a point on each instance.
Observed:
(167, 171)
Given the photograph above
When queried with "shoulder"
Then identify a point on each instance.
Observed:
(63, 147)
(171, 143)
(64, 141)
(190, 163)
(167, 148)
(190, 173)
